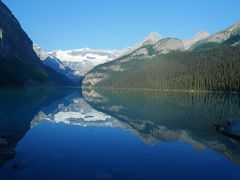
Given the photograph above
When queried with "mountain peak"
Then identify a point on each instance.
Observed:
(234, 27)
(153, 35)
(197, 37)
(152, 38)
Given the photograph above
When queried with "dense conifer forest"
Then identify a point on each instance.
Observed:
(215, 69)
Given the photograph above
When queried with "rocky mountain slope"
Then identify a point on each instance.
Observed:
(19, 65)
(83, 60)
(76, 63)
(55, 63)
(151, 39)
(196, 38)
(216, 39)
(167, 45)
(167, 64)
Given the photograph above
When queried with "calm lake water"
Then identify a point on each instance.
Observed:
(127, 134)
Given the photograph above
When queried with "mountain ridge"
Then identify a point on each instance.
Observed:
(82, 60)
(218, 37)
(170, 66)
(55, 63)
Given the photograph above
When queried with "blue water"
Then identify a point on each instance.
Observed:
(49, 149)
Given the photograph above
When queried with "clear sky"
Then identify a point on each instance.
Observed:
(116, 24)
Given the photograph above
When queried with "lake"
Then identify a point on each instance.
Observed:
(117, 134)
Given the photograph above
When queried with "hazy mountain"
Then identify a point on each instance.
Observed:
(19, 65)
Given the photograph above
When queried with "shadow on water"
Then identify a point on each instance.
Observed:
(17, 109)
(157, 116)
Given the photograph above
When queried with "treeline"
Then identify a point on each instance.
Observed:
(216, 69)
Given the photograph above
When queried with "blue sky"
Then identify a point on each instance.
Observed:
(116, 24)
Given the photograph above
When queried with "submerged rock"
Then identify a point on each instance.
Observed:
(232, 128)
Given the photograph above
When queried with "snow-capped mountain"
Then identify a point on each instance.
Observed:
(79, 62)
(54, 63)
(83, 60)
(197, 37)
(96, 56)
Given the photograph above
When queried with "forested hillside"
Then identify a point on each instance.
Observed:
(216, 69)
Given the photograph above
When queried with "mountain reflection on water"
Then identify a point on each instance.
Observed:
(153, 116)
(17, 109)
(157, 116)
